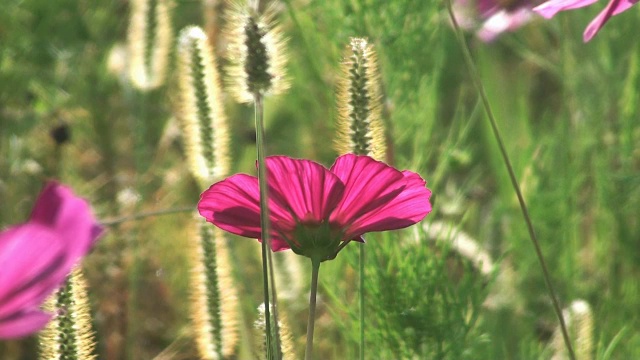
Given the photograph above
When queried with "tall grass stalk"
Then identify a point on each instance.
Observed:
(514, 182)
(360, 128)
(257, 69)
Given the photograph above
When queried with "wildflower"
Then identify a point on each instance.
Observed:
(496, 16)
(38, 255)
(550, 8)
(315, 211)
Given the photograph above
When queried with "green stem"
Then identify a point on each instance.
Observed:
(514, 182)
(361, 270)
(143, 215)
(315, 269)
(264, 218)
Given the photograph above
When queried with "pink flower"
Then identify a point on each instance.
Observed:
(37, 256)
(494, 17)
(550, 8)
(313, 210)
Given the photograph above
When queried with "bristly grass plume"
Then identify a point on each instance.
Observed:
(150, 38)
(69, 335)
(360, 128)
(204, 126)
(256, 53)
(214, 296)
(205, 133)
(287, 347)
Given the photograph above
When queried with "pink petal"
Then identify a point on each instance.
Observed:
(406, 209)
(307, 189)
(37, 256)
(70, 216)
(614, 7)
(34, 265)
(550, 8)
(502, 21)
(233, 204)
(23, 324)
(369, 185)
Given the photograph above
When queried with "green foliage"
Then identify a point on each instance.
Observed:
(568, 112)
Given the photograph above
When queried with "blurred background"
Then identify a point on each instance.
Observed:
(568, 112)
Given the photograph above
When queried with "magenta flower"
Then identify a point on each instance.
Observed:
(550, 8)
(37, 256)
(313, 210)
(491, 18)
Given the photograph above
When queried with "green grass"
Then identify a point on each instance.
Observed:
(568, 112)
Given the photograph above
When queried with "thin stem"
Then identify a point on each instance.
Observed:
(514, 182)
(264, 218)
(144, 215)
(361, 270)
(315, 269)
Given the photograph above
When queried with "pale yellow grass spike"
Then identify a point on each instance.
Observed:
(360, 127)
(150, 39)
(204, 126)
(286, 338)
(256, 53)
(77, 341)
(214, 297)
(579, 319)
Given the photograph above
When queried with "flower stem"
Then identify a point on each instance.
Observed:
(514, 182)
(265, 226)
(361, 270)
(315, 268)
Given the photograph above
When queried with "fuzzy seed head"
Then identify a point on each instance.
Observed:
(360, 128)
(579, 320)
(200, 112)
(214, 296)
(286, 338)
(69, 335)
(256, 54)
(150, 37)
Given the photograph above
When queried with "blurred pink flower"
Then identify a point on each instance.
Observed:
(550, 8)
(491, 18)
(37, 256)
(313, 210)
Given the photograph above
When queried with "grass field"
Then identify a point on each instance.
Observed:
(568, 113)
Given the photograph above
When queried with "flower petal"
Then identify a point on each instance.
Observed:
(550, 8)
(23, 324)
(369, 185)
(233, 204)
(70, 217)
(307, 189)
(406, 209)
(34, 265)
(614, 7)
(502, 21)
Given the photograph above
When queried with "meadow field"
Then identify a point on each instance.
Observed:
(464, 283)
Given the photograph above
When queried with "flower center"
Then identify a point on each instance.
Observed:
(315, 240)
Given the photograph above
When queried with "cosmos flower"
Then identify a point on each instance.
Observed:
(313, 210)
(550, 8)
(491, 18)
(37, 256)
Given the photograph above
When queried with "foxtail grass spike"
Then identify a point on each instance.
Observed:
(462, 244)
(214, 296)
(69, 335)
(579, 320)
(150, 37)
(256, 53)
(360, 129)
(201, 115)
(287, 348)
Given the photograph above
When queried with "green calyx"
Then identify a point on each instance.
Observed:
(316, 241)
